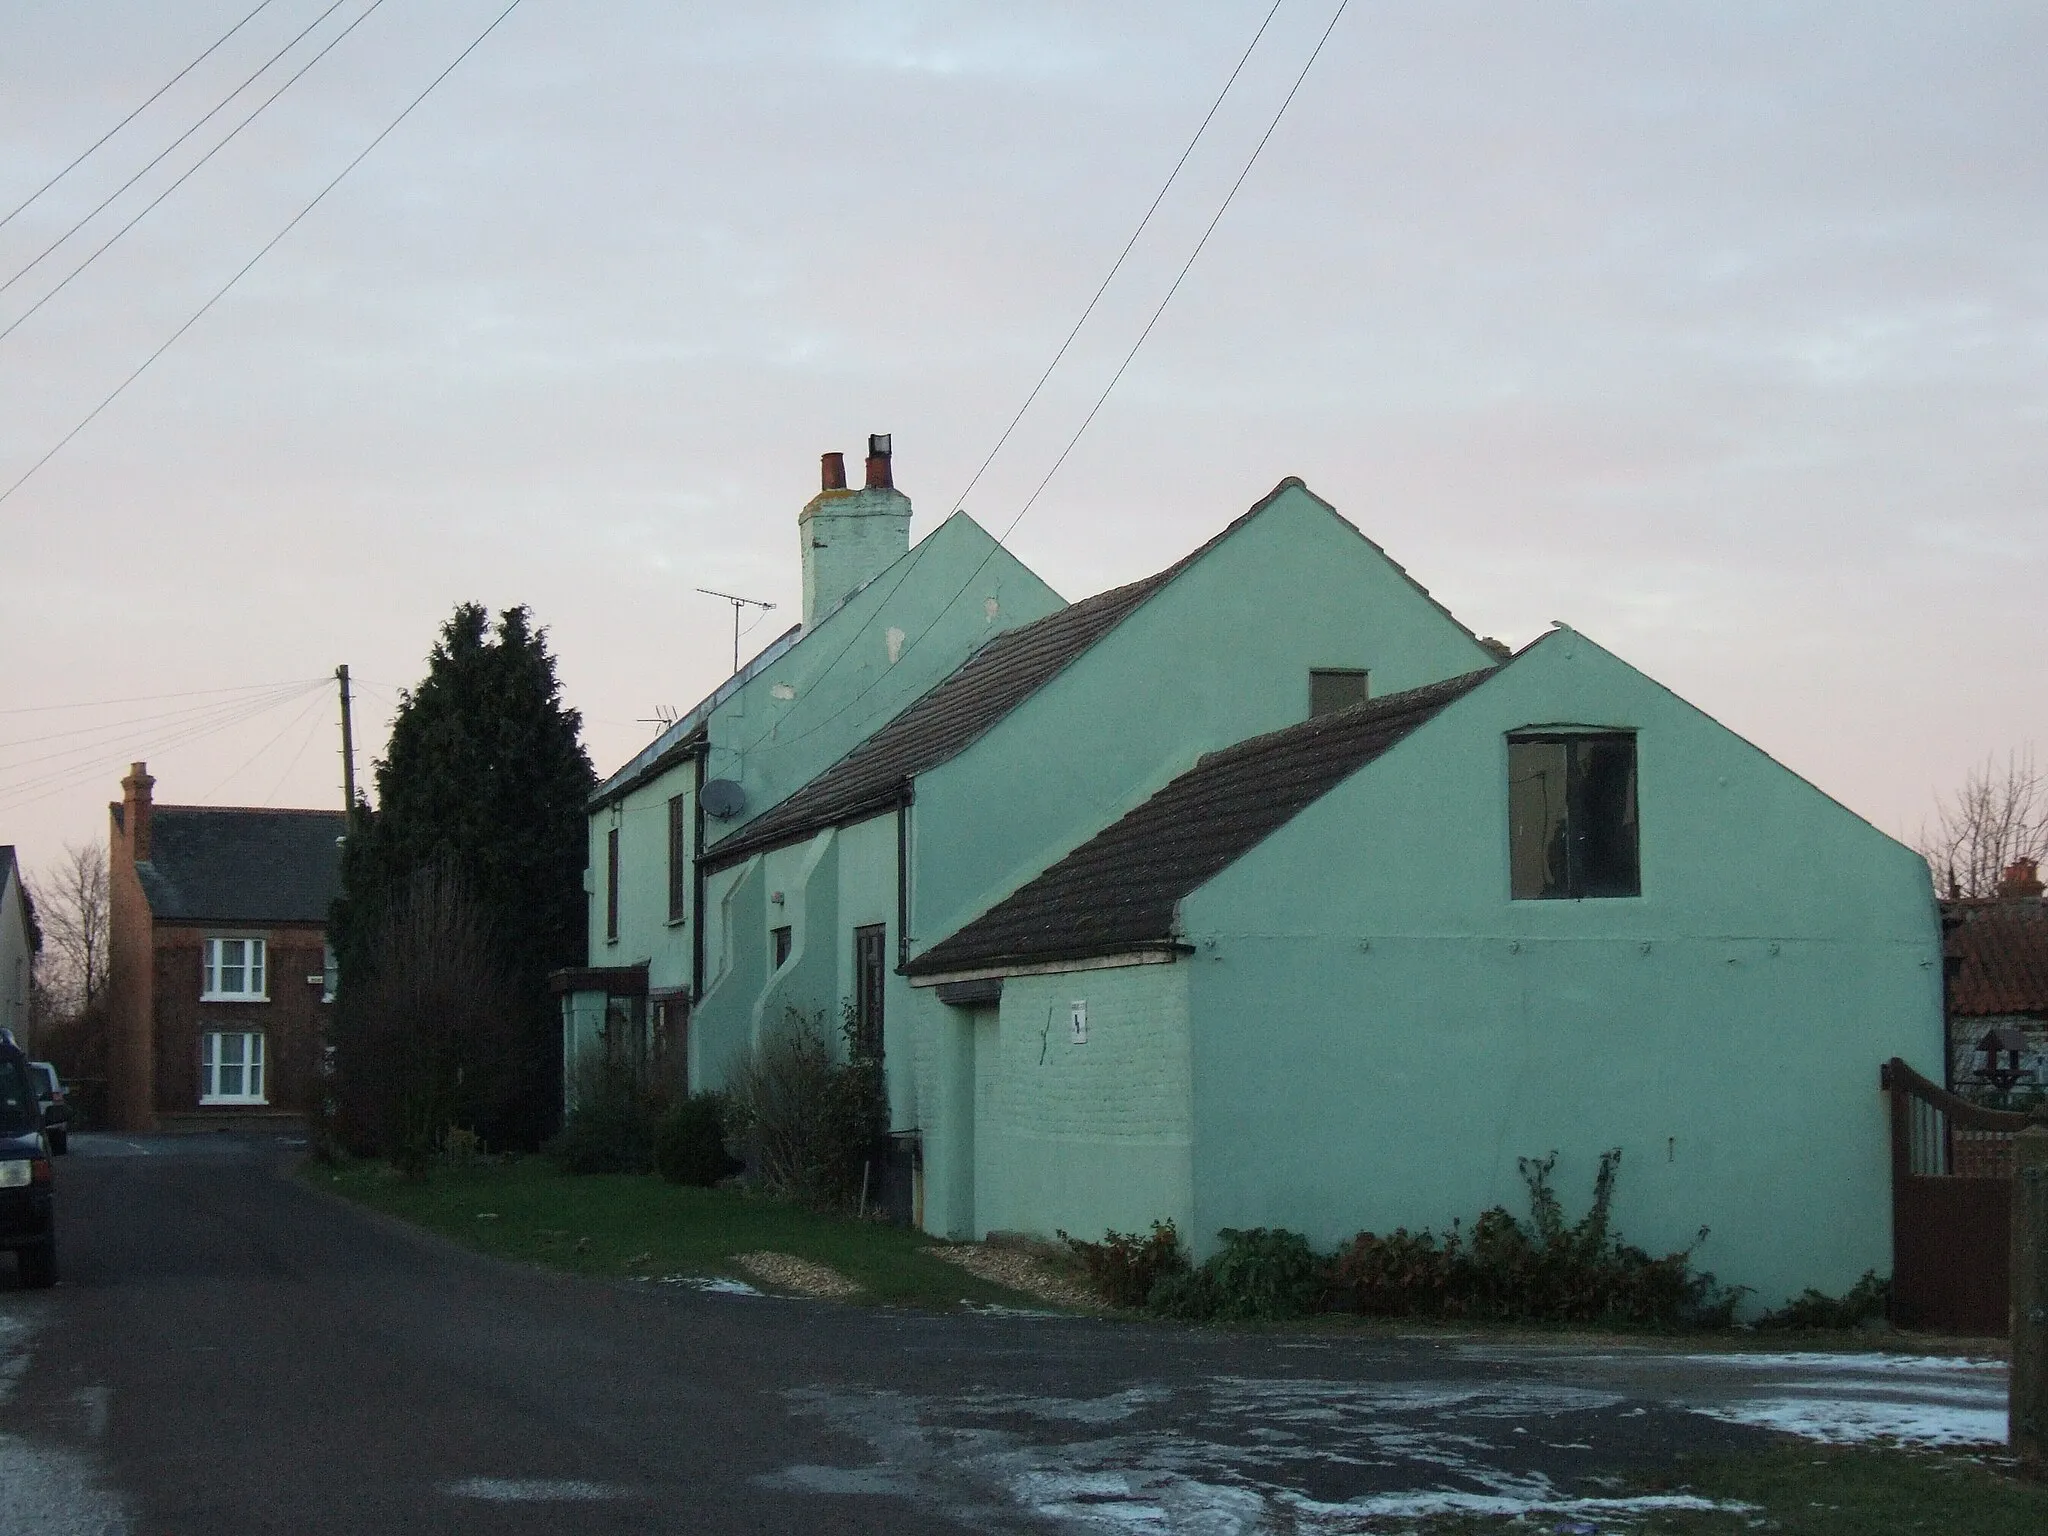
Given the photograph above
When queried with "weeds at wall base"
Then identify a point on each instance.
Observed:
(1539, 1271)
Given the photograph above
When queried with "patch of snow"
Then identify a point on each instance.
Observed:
(54, 1491)
(51, 1489)
(1425, 1504)
(1226, 1456)
(15, 1333)
(533, 1490)
(1847, 1421)
(716, 1285)
(1929, 1365)
(997, 1309)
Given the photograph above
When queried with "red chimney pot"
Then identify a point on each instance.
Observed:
(2022, 877)
(832, 474)
(879, 478)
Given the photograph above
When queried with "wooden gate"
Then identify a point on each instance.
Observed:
(1951, 1207)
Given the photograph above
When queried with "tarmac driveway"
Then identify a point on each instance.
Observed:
(229, 1351)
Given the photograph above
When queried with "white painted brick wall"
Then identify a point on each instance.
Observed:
(1131, 1080)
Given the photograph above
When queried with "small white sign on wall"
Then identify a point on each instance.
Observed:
(1077, 1011)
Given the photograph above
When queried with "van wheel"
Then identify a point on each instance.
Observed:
(39, 1266)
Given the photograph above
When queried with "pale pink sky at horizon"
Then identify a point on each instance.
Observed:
(1720, 333)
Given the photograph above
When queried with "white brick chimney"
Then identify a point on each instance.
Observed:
(850, 537)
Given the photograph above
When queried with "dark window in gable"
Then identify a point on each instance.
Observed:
(781, 939)
(1333, 688)
(870, 946)
(678, 856)
(1572, 821)
(611, 886)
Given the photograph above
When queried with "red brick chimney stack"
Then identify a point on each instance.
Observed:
(879, 478)
(135, 809)
(2022, 877)
(832, 475)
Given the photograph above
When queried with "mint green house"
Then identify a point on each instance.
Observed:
(882, 623)
(1262, 892)
(1042, 737)
(1342, 976)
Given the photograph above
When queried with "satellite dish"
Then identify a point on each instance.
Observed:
(723, 798)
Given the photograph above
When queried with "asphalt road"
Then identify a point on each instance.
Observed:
(228, 1351)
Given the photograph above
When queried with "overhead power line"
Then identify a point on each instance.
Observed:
(217, 109)
(86, 153)
(312, 732)
(147, 208)
(291, 224)
(1179, 278)
(1065, 345)
(1117, 265)
(1101, 399)
(152, 698)
(248, 762)
(124, 723)
(87, 762)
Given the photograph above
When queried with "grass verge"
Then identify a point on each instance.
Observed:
(1809, 1490)
(638, 1226)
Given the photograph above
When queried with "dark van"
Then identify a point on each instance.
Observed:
(27, 1221)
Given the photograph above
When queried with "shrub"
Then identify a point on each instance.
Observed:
(1541, 1271)
(805, 1123)
(611, 1129)
(1266, 1274)
(1868, 1298)
(689, 1142)
(1125, 1267)
(609, 1135)
(426, 1029)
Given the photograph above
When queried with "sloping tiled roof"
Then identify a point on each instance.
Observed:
(209, 864)
(1118, 891)
(2003, 947)
(944, 722)
(962, 709)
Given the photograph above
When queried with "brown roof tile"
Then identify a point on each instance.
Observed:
(2002, 945)
(1119, 890)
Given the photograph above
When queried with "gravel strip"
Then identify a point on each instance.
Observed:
(787, 1272)
(1021, 1272)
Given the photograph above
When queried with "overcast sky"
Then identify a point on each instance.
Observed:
(1717, 331)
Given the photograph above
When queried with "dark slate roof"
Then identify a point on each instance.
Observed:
(221, 865)
(964, 707)
(961, 709)
(1118, 891)
(2002, 945)
(944, 722)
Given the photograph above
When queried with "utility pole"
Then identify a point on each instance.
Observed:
(348, 746)
(737, 604)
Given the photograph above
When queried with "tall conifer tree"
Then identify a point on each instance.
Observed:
(485, 777)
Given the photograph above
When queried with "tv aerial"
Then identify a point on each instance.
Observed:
(737, 604)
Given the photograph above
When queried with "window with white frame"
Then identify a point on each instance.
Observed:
(231, 1067)
(234, 971)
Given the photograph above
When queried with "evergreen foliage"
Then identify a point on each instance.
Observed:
(689, 1142)
(485, 777)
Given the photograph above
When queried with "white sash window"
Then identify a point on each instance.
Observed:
(234, 971)
(231, 1067)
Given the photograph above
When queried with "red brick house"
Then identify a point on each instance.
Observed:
(1997, 955)
(219, 982)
